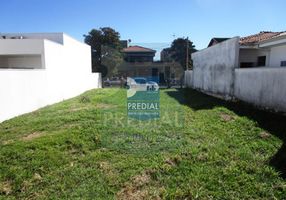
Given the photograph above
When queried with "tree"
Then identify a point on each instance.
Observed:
(178, 52)
(106, 46)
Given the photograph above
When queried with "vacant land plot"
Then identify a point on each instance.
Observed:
(200, 148)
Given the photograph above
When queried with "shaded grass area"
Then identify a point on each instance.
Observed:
(273, 123)
(200, 148)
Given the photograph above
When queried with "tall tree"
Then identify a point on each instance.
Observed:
(106, 46)
(180, 48)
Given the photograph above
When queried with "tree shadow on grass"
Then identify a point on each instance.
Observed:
(273, 123)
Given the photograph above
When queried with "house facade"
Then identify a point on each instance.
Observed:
(139, 62)
(37, 69)
(265, 49)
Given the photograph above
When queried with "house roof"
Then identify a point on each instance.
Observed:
(259, 37)
(137, 49)
(216, 40)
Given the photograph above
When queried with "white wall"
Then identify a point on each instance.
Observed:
(69, 65)
(67, 74)
(22, 91)
(28, 90)
(213, 70)
(277, 55)
(264, 87)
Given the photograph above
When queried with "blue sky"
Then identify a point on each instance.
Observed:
(146, 21)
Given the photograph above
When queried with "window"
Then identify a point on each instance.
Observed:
(283, 63)
(261, 61)
(21, 61)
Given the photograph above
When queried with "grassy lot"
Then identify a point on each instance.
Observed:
(85, 148)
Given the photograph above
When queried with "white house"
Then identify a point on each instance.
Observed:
(37, 69)
(251, 68)
(265, 49)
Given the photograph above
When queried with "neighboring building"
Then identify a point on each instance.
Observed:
(139, 62)
(265, 49)
(37, 69)
(215, 41)
(138, 54)
(252, 69)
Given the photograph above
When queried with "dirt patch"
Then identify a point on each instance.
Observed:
(105, 166)
(6, 188)
(32, 136)
(87, 107)
(108, 170)
(173, 161)
(202, 157)
(25, 186)
(129, 193)
(7, 142)
(79, 108)
(37, 177)
(264, 135)
(170, 162)
(70, 126)
(141, 179)
(226, 117)
(137, 188)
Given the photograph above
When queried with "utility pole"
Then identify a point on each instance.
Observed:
(187, 54)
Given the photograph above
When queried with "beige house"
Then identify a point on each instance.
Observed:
(139, 62)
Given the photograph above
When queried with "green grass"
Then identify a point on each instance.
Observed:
(86, 148)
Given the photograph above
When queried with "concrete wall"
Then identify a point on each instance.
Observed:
(214, 67)
(188, 78)
(67, 74)
(264, 87)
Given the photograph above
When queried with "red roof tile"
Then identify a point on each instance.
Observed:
(263, 35)
(137, 49)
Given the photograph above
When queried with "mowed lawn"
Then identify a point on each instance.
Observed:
(86, 148)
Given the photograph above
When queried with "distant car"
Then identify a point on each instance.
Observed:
(112, 81)
(141, 84)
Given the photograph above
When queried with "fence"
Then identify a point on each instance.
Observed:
(263, 87)
(25, 90)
